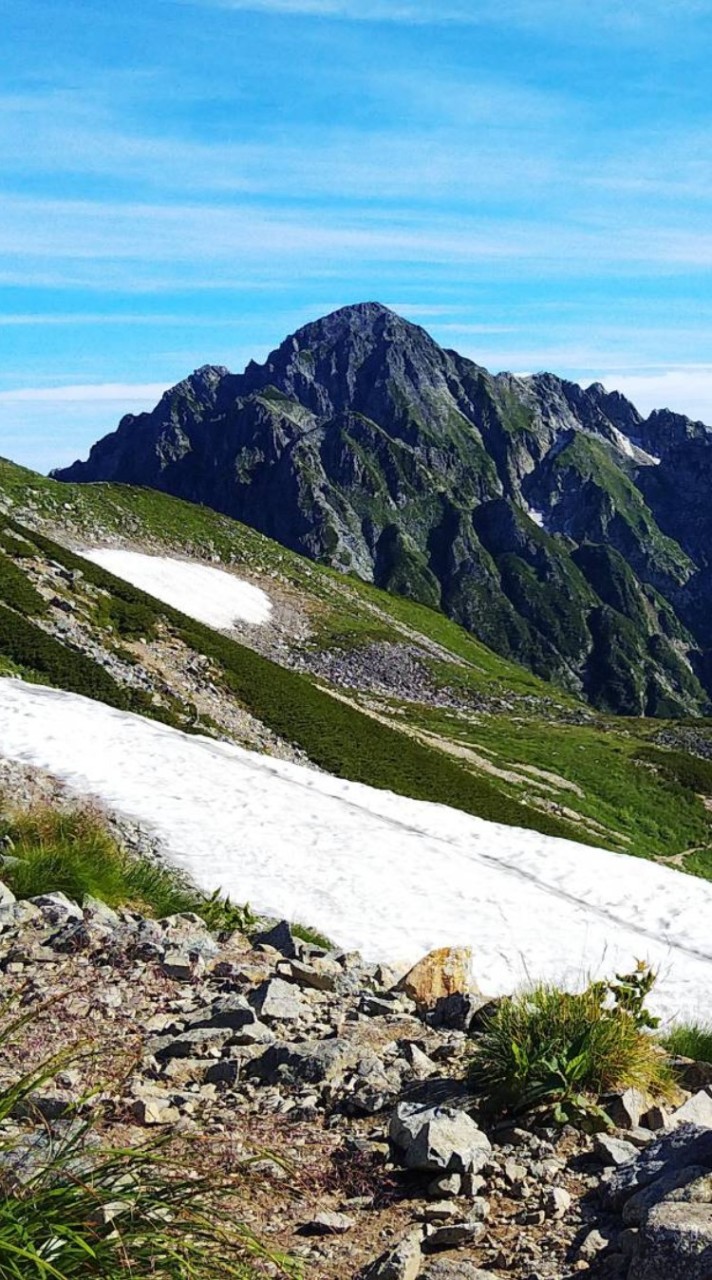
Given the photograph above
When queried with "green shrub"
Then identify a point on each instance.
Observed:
(690, 772)
(16, 590)
(87, 1211)
(690, 1040)
(71, 852)
(562, 1051)
(30, 647)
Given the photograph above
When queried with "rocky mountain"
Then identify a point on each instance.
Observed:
(555, 523)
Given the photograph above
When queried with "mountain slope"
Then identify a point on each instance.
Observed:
(363, 444)
(362, 677)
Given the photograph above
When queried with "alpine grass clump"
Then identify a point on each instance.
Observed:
(690, 1040)
(563, 1051)
(74, 1209)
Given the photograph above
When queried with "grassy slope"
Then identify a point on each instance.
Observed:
(646, 809)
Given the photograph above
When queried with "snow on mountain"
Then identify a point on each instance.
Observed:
(210, 595)
(391, 876)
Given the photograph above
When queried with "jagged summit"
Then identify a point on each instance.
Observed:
(547, 518)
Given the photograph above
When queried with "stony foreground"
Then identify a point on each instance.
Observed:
(349, 1087)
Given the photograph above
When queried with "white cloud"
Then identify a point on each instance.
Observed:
(687, 389)
(92, 393)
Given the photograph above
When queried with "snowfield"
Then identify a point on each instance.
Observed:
(204, 593)
(391, 876)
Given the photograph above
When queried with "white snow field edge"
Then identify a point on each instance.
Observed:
(391, 876)
(210, 595)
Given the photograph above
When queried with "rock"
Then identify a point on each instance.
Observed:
(180, 966)
(593, 1244)
(675, 1243)
(690, 1185)
(57, 908)
(402, 1262)
(187, 932)
(420, 1062)
(438, 1138)
(449, 1184)
(626, 1109)
(154, 1111)
(7, 897)
(278, 1000)
(697, 1110)
(327, 1223)
(188, 1043)
(311, 1062)
(280, 937)
(454, 1269)
(686, 1147)
(454, 1235)
(312, 977)
(691, 1074)
(227, 1011)
(440, 974)
(557, 1202)
(613, 1150)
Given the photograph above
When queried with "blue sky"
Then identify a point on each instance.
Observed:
(187, 181)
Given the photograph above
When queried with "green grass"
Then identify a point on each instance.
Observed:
(71, 852)
(564, 1051)
(690, 1040)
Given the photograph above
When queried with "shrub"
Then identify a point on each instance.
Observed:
(562, 1051)
(71, 852)
(66, 668)
(80, 1210)
(690, 1040)
(16, 590)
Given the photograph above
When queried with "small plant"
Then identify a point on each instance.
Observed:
(689, 1040)
(562, 1051)
(80, 1211)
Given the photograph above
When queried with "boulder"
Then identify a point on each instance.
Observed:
(7, 897)
(278, 1000)
(675, 1243)
(280, 937)
(614, 1150)
(438, 1139)
(697, 1110)
(442, 973)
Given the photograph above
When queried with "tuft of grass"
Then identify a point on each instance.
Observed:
(73, 1209)
(690, 1040)
(563, 1051)
(71, 852)
(306, 933)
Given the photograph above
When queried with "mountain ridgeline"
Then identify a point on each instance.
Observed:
(557, 524)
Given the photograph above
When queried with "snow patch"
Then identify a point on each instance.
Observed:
(536, 516)
(209, 595)
(391, 876)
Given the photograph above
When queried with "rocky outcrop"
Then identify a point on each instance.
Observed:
(554, 522)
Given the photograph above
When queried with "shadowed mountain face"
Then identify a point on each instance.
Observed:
(555, 523)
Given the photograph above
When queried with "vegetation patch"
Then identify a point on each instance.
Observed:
(690, 1040)
(17, 591)
(562, 1051)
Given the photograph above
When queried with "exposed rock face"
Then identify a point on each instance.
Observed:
(556, 523)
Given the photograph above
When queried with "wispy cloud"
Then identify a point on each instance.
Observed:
(88, 393)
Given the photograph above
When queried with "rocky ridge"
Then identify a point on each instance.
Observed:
(348, 1084)
(547, 519)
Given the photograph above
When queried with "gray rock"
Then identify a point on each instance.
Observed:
(7, 897)
(402, 1262)
(188, 932)
(670, 1185)
(675, 1243)
(327, 1223)
(626, 1109)
(438, 1138)
(57, 908)
(280, 937)
(227, 1011)
(180, 965)
(614, 1150)
(154, 1111)
(686, 1146)
(454, 1235)
(279, 1001)
(454, 1269)
(311, 1062)
(697, 1110)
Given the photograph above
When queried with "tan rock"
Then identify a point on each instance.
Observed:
(444, 972)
